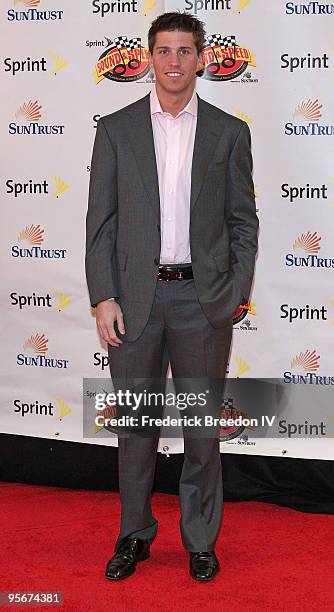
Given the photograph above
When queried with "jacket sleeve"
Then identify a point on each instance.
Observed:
(101, 220)
(240, 211)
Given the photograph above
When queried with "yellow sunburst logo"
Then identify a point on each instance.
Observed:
(242, 366)
(63, 300)
(242, 4)
(148, 6)
(64, 409)
(244, 117)
(59, 185)
(59, 62)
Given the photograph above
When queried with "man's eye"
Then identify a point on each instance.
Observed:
(184, 51)
(163, 51)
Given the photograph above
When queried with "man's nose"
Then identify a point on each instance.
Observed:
(174, 59)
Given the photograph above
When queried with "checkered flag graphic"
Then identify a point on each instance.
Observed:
(224, 43)
(134, 43)
(227, 403)
(121, 41)
(227, 41)
(214, 40)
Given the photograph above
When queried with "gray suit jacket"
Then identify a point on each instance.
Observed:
(123, 218)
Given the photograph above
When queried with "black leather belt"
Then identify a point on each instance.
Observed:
(168, 273)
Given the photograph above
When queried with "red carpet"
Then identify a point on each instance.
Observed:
(55, 539)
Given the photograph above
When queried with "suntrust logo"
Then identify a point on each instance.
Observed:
(309, 8)
(30, 114)
(310, 244)
(34, 353)
(32, 13)
(33, 235)
(309, 362)
(309, 112)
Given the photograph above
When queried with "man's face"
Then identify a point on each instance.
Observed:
(175, 61)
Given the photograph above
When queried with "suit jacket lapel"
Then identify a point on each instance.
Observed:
(206, 137)
(141, 136)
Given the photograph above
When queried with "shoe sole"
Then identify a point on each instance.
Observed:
(146, 556)
(205, 579)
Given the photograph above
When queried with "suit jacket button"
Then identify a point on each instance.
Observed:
(156, 261)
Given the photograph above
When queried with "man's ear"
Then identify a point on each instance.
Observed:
(200, 64)
(149, 59)
(200, 61)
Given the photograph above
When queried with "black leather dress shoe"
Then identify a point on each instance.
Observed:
(124, 562)
(203, 565)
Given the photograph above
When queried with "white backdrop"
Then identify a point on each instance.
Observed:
(54, 88)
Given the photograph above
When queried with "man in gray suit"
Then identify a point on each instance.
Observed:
(170, 254)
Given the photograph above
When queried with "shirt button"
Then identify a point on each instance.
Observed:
(169, 218)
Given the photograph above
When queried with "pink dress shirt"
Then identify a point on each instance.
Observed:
(174, 145)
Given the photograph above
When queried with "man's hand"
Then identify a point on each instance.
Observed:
(107, 312)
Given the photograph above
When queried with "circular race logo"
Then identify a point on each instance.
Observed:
(240, 313)
(229, 432)
(224, 60)
(124, 60)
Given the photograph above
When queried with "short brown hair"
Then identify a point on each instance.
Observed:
(184, 22)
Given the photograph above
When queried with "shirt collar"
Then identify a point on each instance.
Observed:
(190, 108)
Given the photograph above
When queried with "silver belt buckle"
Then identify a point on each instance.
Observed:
(179, 277)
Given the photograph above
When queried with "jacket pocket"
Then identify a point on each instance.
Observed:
(222, 261)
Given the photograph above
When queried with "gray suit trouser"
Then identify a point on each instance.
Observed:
(178, 332)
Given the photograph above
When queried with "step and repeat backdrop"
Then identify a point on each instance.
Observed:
(65, 64)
